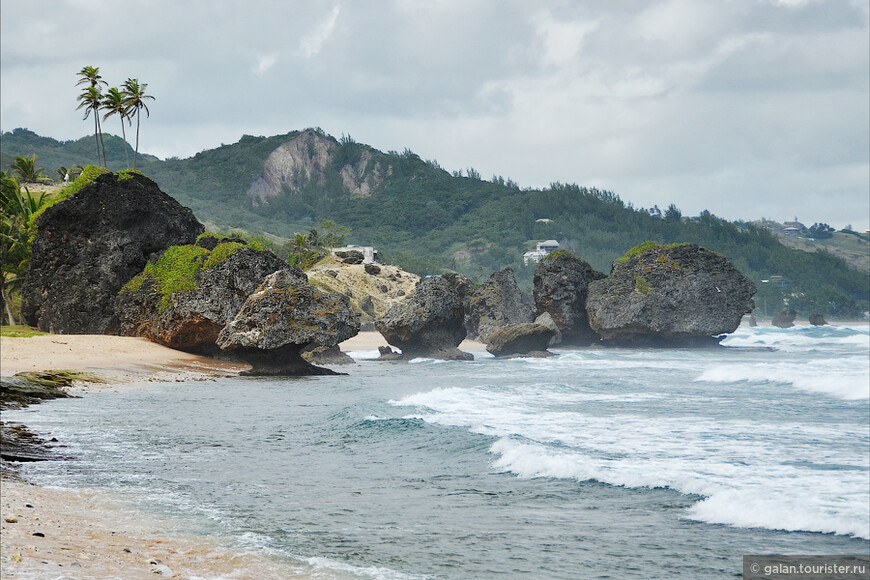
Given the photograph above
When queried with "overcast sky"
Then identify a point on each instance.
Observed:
(748, 108)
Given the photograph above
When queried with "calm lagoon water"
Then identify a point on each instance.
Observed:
(597, 463)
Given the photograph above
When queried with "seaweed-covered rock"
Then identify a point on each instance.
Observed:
(561, 285)
(784, 318)
(676, 295)
(281, 318)
(88, 246)
(184, 298)
(527, 339)
(428, 323)
(496, 303)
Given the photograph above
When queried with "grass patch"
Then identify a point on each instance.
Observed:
(19, 331)
(646, 247)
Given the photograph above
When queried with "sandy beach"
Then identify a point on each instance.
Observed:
(57, 533)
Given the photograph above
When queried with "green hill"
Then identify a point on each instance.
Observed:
(426, 219)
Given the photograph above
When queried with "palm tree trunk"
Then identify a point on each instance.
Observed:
(124, 135)
(97, 137)
(5, 297)
(136, 151)
(102, 143)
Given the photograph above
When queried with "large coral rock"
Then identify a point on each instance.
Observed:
(222, 274)
(496, 303)
(561, 285)
(680, 294)
(430, 322)
(88, 246)
(528, 339)
(784, 318)
(282, 317)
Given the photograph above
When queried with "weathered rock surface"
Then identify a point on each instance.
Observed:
(561, 285)
(364, 288)
(87, 247)
(326, 355)
(784, 318)
(817, 320)
(428, 323)
(678, 295)
(528, 339)
(192, 319)
(350, 257)
(546, 320)
(496, 303)
(281, 318)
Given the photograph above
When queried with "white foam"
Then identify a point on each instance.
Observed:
(830, 377)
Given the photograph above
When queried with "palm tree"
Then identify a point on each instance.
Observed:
(91, 99)
(26, 169)
(135, 99)
(115, 103)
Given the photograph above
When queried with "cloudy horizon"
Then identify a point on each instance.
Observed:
(745, 108)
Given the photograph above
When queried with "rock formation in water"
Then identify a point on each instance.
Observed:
(496, 303)
(281, 318)
(528, 339)
(88, 246)
(185, 298)
(561, 285)
(784, 318)
(817, 320)
(679, 294)
(430, 322)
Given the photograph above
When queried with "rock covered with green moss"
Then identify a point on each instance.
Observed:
(184, 298)
(674, 295)
(561, 285)
(284, 316)
(100, 234)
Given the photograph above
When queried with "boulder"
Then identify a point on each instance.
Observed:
(387, 353)
(372, 269)
(88, 246)
(784, 318)
(282, 317)
(675, 295)
(752, 322)
(350, 257)
(817, 320)
(184, 299)
(496, 303)
(546, 320)
(528, 339)
(326, 355)
(428, 323)
(561, 285)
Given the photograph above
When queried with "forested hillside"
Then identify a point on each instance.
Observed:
(427, 220)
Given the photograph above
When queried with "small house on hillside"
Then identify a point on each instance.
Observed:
(541, 250)
(370, 255)
(794, 228)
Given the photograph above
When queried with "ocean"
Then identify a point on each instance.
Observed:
(595, 463)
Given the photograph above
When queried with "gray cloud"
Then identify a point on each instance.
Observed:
(747, 108)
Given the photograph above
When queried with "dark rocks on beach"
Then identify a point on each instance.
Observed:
(430, 322)
(350, 257)
(678, 295)
(282, 317)
(87, 247)
(498, 302)
(784, 318)
(817, 320)
(191, 320)
(561, 286)
(388, 353)
(326, 355)
(528, 339)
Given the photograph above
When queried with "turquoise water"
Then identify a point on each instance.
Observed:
(597, 463)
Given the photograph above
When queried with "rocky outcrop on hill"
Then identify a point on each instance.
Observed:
(528, 339)
(184, 299)
(88, 246)
(784, 318)
(306, 158)
(496, 303)
(561, 285)
(680, 294)
(428, 323)
(282, 317)
(371, 292)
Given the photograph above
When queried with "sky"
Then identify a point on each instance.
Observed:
(745, 108)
